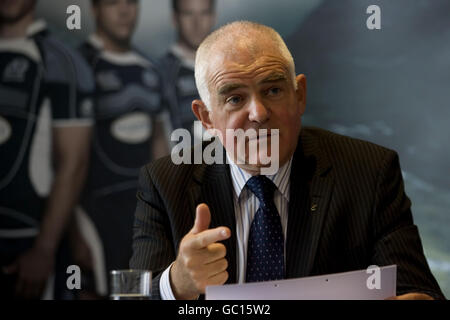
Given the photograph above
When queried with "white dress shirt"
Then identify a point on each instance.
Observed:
(245, 206)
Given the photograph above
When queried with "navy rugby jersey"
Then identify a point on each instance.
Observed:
(43, 84)
(127, 102)
(179, 89)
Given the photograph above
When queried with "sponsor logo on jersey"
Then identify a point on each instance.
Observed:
(108, 80)
(15, 71)
(5, 130)
(132, 128)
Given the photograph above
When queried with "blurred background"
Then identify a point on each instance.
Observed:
(388, 86)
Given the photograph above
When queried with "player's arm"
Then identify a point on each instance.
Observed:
(71, 152)
(161, 126)
(160, 143)
(70, 96)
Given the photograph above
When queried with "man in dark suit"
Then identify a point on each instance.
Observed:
(335, 204)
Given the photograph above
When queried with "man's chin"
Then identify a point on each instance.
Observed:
(12, 12)
(193, 45)
(123, 39)
(259, 168)
(256, 162)
(10, 17)
(121, 36)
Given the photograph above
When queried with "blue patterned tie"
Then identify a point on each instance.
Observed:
(265, 251)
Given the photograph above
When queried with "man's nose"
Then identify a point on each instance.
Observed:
(258, 111)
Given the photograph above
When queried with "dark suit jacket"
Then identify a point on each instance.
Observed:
(347, 210)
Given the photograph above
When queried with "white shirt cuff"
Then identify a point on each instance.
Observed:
(164, 285)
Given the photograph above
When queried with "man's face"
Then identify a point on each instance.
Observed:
(194, 21)
(117, 18)
(13, 10)
(255, 91)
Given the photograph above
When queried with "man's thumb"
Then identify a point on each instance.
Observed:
(202, 218)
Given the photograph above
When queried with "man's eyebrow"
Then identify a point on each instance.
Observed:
(274, 77)
(227, 88)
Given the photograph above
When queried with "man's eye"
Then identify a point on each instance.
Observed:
(273, 91)
(234, 100)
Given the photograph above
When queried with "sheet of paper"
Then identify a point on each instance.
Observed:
(367, 284)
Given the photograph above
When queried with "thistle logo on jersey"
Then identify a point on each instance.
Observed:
(5, 130)
(132, 128)
(15, 71)
(108, 80)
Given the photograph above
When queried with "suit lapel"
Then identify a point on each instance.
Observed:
(214, 188)
(311, 187)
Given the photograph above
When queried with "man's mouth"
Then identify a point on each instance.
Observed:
(262, 136)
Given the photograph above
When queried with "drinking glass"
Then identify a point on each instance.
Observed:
(131, 284)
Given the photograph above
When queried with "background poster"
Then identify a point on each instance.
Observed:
(388, 86)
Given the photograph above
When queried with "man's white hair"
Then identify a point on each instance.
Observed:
(229, 33)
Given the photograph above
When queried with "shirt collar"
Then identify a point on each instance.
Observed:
(127, 58)
(281, 179)
(95, 41)
(36, 27)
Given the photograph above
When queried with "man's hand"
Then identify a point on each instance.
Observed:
(412, 296)
(201, 260)
(33, 268)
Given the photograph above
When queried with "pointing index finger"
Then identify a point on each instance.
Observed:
(207, 237)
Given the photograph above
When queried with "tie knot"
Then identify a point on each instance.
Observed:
(263, 188)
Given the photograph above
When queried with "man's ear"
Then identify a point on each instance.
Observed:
(301, 91)
(203, 114)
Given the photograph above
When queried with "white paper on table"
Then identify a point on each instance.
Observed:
(339, 286)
